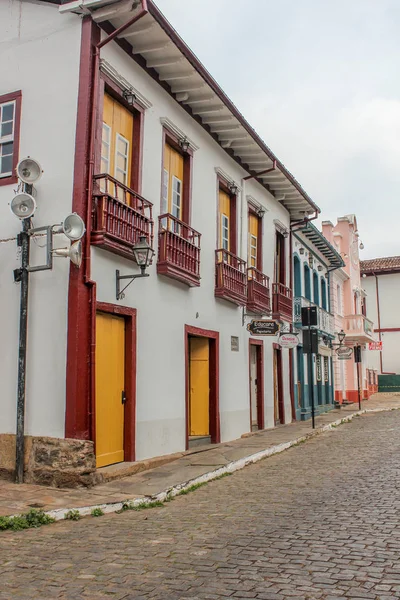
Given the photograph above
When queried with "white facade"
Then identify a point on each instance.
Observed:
(384, 288)
(42, 59)
(35, 60)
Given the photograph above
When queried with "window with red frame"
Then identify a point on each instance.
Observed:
(10, 114)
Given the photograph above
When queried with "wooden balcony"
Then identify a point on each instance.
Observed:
(178, 250)
(258, 292)
(230, 277)
(282, 304)
(119, 217)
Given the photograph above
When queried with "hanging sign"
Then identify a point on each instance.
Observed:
(288, 340)
(344, 352)
(318, 368)
(375, 346)
(326, 369)
(262, 327)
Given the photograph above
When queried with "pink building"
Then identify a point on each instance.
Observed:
(348, 305)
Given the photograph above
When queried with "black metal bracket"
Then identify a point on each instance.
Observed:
(17, 275)
(120, 293)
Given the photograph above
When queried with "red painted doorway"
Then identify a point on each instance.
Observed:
(256, 382)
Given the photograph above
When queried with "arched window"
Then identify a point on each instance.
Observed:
(297, 277)
(324, 300)
(307, 282)
(316, 288)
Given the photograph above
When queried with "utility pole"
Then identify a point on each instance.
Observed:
(22, 275)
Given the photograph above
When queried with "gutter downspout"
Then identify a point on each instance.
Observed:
(87, 253)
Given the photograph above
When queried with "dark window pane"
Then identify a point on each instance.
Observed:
(8, 112)
(6, 129)
(6, 164)
(7, 149)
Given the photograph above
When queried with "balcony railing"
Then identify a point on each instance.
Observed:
(282, 304)
(358, 328)
(178, 250)
(230, 277)
(258, 292)
(325, 319)
(119, 216)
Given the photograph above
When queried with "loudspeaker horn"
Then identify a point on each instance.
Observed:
(74, 253)
(23, 205)
(29, 170)
(73, 227)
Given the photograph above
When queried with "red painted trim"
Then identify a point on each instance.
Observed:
(81, 293)
(260, 381)
(129, 315)
(213, 336)
(115, 91)
(281, 402)
(170, 138)
(17, 96)
(387, 330)
(252, 211)
(223, 185)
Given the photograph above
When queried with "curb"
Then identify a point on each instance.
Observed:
(236, 465)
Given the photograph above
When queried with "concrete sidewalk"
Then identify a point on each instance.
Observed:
(199, 464)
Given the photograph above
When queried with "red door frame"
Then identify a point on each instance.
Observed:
(279, 375)
(129, 316)
(213, 337)
(259, 344)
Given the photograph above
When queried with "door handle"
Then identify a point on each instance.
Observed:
(123, 397)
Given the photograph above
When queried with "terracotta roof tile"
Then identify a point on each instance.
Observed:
(380, 265)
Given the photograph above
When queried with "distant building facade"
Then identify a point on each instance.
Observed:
(381, 281)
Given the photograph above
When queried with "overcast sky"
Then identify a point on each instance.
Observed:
(320, 82)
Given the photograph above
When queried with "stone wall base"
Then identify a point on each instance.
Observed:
(51, 461)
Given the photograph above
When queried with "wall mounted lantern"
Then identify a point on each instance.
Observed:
(233, 188)
(341, 335)
(184, 144)
(311, 260)
(320, 268)
(129, 96)
(143, 254)
(301, 250)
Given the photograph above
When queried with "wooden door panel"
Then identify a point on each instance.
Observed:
(110, 381)
(199, 381)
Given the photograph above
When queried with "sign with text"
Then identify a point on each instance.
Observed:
(261, 327)
(344, 352)
(375, 346)
(288, 340)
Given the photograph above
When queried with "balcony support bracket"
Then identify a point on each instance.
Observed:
(120, 293)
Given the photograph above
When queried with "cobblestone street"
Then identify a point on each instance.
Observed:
(320, 520)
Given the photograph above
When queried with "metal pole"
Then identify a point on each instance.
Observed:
(310, 375)
(23, 330)
(358, 385)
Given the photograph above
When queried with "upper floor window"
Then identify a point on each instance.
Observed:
(226, 220)
(119, 150)
(175, 181)
(339, 299)
(254, 258)
(316, 288)
(10, 113)
(280, 258)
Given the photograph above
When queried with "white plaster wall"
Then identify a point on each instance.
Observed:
(389, 301)
(39, 54)
(165, 306)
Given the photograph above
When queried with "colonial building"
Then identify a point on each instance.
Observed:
(314, 261)
(136, 137)
(381, 281)
(348, 304)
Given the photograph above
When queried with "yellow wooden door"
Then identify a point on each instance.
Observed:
(117, 136)
(224, 210)
(253, 240)
(199, 381)
(172, 199)
(110, 381)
